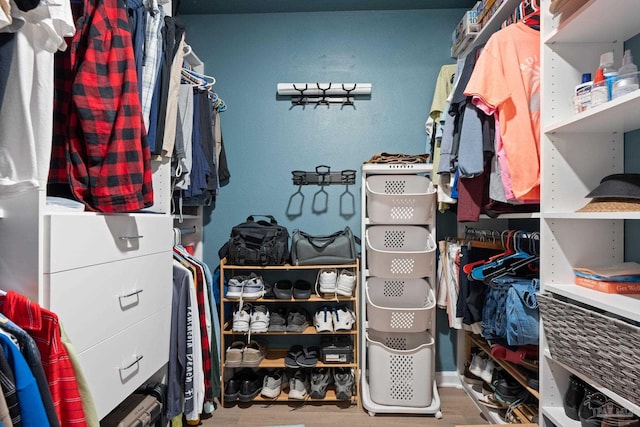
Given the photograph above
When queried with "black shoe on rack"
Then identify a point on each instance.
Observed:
(508, 389)
(233, 386)
(573, 397)
(251, 386)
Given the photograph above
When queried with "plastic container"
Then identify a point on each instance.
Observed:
(627, 76)
(599, 91)
(400, 199)
(399, 305)
(582, 97)
(610, 73)
(400, 369)
(400, 251)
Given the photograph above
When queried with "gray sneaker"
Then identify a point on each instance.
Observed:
(343, 379)
(297, 320)
(272, 384)
(299, 385)
(278, 320)
(320, 379)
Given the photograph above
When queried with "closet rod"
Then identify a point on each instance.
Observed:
(192, 59)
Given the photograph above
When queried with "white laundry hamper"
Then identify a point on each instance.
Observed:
(400, 199)
(400, 251)
(400, 370)
(399, 305)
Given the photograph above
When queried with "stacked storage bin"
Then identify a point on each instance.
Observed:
(398, 294)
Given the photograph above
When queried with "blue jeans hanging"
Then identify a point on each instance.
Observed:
(510, 311)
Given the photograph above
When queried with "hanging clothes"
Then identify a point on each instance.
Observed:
(31, 355)
(44, 327)
(507, 79)
(100, 155)
(26, 112)
(32, 410)
(8, 383)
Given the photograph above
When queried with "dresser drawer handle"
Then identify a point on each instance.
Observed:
(131, 293)
(130, 237)
(138, 359)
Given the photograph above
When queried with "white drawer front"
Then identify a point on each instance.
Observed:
(119, 365)
(79, 240)
(94, 303)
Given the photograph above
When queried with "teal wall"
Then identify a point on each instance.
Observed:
(399, 52)
(632, 165)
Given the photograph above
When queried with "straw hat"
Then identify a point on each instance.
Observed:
(616, 193)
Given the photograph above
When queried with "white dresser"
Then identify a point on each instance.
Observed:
(107, 277)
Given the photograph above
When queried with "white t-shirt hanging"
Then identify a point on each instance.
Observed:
(26, 115)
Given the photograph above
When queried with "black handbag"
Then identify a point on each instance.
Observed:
(257, 243)
(336, 248)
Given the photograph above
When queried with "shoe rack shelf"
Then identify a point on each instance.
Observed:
(275, 358)
(510, 368)
(330, 397)
(523, 415)
(278, 343)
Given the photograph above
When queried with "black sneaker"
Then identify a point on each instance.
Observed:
(233, 386)
(507, 389)
(251, 386)
(232, 389)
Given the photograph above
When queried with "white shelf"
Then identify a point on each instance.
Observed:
(490, 414)
(557, 416)
(591, 215)
(625, 305)
(399, 168)
(492, 25)
(620, 400)
(598, 21)
(619, 115)
(523, 215)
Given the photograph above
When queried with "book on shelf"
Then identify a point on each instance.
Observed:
(608, 286)
(612, 272)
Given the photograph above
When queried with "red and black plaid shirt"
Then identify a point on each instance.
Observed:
(43, 326)
(99, 145)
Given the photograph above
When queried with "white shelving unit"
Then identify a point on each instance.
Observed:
(578, 150)
(406, 380)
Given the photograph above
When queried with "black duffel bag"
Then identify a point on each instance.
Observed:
(257, 243)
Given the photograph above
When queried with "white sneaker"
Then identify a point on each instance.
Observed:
(242, 318)
(323, 319)
(343, 318)
(477, 365)
(259, 319)
(487, 371)
(326, 280)
(346, 283)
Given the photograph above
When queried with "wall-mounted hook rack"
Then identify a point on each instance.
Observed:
(323, 93)
(323, 176)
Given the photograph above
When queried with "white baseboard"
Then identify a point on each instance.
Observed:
(448, 379)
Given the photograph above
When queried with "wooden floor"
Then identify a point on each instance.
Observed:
(457, 409)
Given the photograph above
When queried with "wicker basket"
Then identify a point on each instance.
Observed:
(606, 350)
